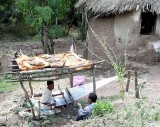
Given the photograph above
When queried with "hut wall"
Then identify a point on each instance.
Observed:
(158, 26)
(127, 24)
(103, 27)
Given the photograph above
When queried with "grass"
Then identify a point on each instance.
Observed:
(137, 113)
(6, 86)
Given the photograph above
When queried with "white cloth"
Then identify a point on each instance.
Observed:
(72, 48)
(47, 98)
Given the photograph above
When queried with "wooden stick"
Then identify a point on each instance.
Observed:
(136, 85)
(71, 80)
(15, 70)
(13, 66)
(63, 95)
(31, 88)
(128, 80)
(94, 81)
(70, 95)
(61, 74)
(26, 93)
(39, 109)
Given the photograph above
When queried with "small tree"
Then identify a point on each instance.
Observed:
(43, 16)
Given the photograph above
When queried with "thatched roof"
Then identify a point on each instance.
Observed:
(119, 6)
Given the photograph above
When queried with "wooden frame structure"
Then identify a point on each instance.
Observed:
(48, 74)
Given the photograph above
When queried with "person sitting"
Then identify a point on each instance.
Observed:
(47, 100)
(87, 111)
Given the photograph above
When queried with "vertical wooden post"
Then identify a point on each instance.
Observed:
(26, 93)
(94, 81)
(128, 80)
(71, 80)
(136, 85)
(31, 88)
(39, 109)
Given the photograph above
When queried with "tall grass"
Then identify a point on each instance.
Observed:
(119, 67)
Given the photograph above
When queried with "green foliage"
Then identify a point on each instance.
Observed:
(34, 13)
(6, 86)
(120, 70)
(57, 31)
(38, 12)
(2, 8)
(102, 108)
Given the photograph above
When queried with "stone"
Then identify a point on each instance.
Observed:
(36, 124)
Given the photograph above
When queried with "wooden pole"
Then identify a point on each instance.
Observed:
(128, 80)
(39, 109)
(136, 85)
(26, 93)
(63, 95)
(71, 80)
(31, 88)
(94, 81)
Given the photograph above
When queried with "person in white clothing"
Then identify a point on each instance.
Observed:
(47, 99)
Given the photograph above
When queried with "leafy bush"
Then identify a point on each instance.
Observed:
(57, 31)
(102, 107)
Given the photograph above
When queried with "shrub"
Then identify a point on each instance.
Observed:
(102, 107)
(57, 31)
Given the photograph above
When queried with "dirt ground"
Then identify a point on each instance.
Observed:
(8, 105)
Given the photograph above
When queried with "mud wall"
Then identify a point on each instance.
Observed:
(127, 27)
(114, 29)
(158, 26)
(104, 28)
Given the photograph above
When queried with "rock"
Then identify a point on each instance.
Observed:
(24, 114)
(36, 124)
(47, 122)
(3, 121)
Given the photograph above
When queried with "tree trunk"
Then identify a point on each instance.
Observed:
(45, 39)
(42, 41)
(52, 45)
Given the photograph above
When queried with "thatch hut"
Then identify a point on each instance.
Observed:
(121, 21)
